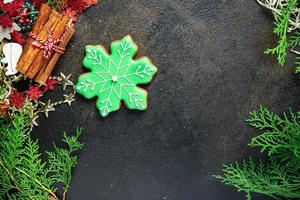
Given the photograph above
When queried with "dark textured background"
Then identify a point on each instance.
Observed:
(212, 73)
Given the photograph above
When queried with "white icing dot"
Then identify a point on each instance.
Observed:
(114, 78)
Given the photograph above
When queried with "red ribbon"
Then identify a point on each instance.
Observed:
(48, 45)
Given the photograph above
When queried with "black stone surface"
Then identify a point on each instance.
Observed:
(212, 73)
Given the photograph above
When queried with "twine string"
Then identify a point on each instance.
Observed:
(50, 44)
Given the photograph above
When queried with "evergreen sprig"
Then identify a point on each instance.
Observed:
(23, 174)
(62, 161)
(281, 30)
(56, 4)
(280, 133)
(279, 177)
(287, 27)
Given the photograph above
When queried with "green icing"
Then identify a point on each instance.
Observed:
(113, 77)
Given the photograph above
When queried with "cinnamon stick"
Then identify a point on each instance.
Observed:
(31, 53)
(46, 72)
(43, 16)
(32, 62)
(40, 61)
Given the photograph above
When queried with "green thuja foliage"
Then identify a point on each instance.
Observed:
(56, 4)
(293, 43)
(281, 30)
(279, 176)
(61, 162)
(286, 27)
(23, 174)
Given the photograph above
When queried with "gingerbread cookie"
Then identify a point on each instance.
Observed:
(113, 77)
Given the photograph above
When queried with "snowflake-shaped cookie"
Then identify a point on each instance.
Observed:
(113, 77)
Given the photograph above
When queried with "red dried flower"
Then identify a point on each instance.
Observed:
(38, 3)
(17, 37)
(50, 84)
(77, 5)
(3, 108)
(6, 21)
(13, 8)
(24, 17)
(90, 2)
(34, 92)
(16, 99)
(2, 5)
(70, 14)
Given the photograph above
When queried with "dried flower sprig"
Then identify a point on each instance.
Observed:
(15, 102)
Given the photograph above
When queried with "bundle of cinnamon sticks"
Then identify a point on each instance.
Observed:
(33, 62)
